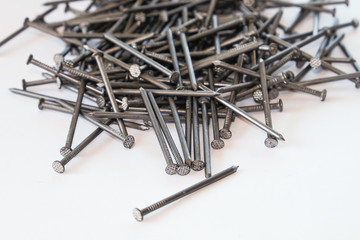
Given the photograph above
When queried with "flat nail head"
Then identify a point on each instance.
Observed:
(129, 141)
(225, 133)
(174, 77)
(100, 54)
(138, 215)
(355, 23)
(323, 95)
(271, 142)
(183, 170)
(217, 144)
(135, 70)
(281, 105)
(203, 100)
(315, 62)
(59, 83)
(58, 167)
(171, 169)
(41, 103)
(24, 84)
(258, 96)
(197, 165)
(273, 48)
(29, 59)
(65, 151)
(100, 101)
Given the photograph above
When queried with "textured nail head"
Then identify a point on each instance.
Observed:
(217, 144)
(225, 133)
(171, 169)
(271, 142)
(197, 165)
(183, 170)
(258, 96)
(100, 101)
(315, 62)
(65, 151)
(58, 167)
(129, 141)
(135, 70)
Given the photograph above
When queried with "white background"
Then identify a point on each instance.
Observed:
(306, 188)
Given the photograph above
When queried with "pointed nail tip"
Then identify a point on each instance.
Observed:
(281, 138)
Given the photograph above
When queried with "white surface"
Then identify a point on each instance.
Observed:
(306, 188)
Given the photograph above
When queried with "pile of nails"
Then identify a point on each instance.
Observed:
(154, 63)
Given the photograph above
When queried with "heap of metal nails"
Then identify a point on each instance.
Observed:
(150, 63)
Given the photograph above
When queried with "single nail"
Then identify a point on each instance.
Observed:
(270, 141)
(188, 60)
(172, 75)
(206, 140)
(26, 84)
(197, 164)
(139, 214)
(75, 116)
(99, 60)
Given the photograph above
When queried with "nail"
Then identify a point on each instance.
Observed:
(197, 164)
(225, 132)
(206, 140)
(99, 60)
(330, 79)
(172, 75)
(78, 73)
(17, 32)
(206, 62)
(294, 86)
(128, 141)
(183, 169)
(270, 141)
(188, 123)
(59, 166)
(167, 92)
(206, 33)
(210, 11)
(174, 58)
(26, 84)
(216, 143)
(41, 65)
(53, 99)
(139, 214)
(246, 116)
(188, 60)
(180, 131)
(75, 116)
(171, 168)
